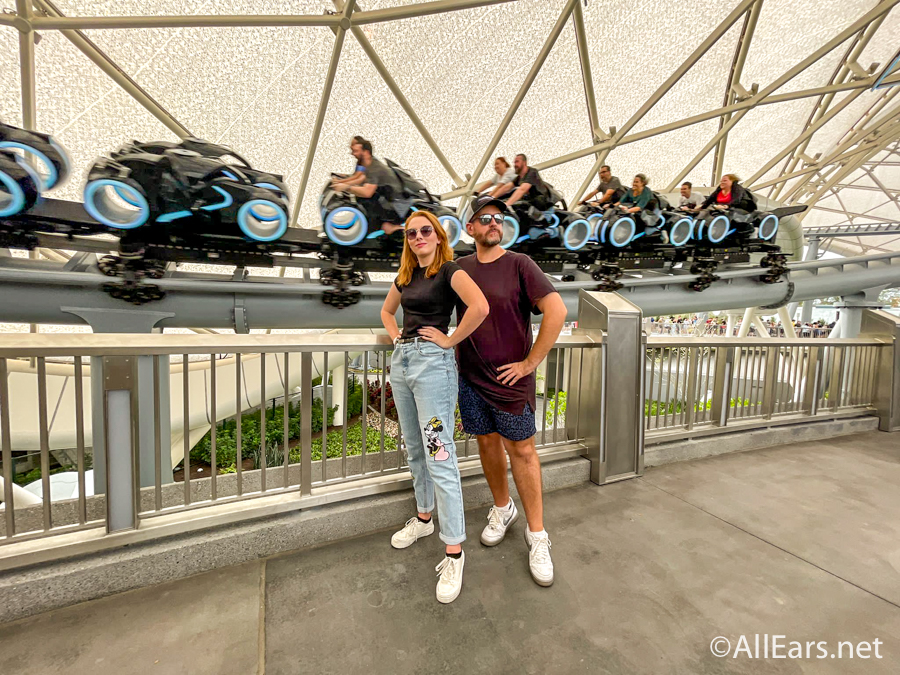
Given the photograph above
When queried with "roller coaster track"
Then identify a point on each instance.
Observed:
(861, 230)
(40, 291)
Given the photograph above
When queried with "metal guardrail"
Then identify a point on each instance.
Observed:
(702, 385)
(701, 329)
(603, 393)
(133, 393)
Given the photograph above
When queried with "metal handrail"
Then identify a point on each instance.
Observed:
(723, 341)
(128, 344)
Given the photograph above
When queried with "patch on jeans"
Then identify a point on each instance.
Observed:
(435, 445)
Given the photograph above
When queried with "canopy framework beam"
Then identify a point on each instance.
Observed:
(517, 101)
(872, 145)
(662, 90)
(841, 73)
(587, 76)
(323, 108)
(115, 73)
(788, 75)
(734, 80)
(858, 135)
(609, 144)
(388, 79)
(255, 20)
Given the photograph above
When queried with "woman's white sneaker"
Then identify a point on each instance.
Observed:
(539, 556)
(414, 530)
(499, 521)
(450, 576)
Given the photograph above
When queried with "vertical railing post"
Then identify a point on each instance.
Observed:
(835, 383)
(771, 380)
(120, 441)
(886, 327)
(693, 379)
(813, 380)
(306, 395)
(612, 404)
(722, 378)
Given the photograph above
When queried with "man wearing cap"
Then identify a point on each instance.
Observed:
(496, 377)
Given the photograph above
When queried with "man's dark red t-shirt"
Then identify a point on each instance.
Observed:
(512, 285)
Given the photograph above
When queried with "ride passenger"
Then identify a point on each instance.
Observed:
(424, 379)
(380, 187)
(610, 188)
(639, 197)
(359, 173)
(730, 195)
(527, 185)
(690, 201)
(503, 175)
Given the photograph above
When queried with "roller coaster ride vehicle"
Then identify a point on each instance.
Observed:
(349, 221)
(191, 193)
(353, 233)
(160, 185)
(31, 163)
(530, 229)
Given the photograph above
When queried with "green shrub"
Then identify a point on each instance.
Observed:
(551, 407)
(226, 435)
(335, 439)
(24, 479)
(653, 408)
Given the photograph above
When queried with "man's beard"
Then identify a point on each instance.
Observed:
(489, 239)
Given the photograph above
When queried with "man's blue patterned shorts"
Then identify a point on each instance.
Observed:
(480, 418)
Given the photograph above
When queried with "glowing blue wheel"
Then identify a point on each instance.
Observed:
(768, 227)
(453, 228)
(577, 234)
(681, 232)
(718, 228)
(116, 204)
(346, 226)
(12, 196)
(621, 232)
(262, 220)
(510, 231)
(52, 173)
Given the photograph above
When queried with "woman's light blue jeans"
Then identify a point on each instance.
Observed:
(425, 384)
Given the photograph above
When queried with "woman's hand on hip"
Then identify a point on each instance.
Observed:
(432, 334)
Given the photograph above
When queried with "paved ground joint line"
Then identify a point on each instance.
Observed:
(766, 541)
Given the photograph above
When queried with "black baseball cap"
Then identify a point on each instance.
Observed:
(486, 200)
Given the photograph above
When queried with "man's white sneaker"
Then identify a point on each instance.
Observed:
(499, 521)
(539, 557)
(450, 575)
(414, 530)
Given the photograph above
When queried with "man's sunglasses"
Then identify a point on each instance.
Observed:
(426, 231)
(486, 218)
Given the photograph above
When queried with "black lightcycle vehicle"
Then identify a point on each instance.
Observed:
(545, 222)
(31, 163)
(351, 222)
(186, 190)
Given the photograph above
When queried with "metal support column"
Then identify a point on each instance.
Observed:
(119, 415)
(613, 400)
(880, 324)
(812, 252)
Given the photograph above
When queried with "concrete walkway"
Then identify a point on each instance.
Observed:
(801, 541)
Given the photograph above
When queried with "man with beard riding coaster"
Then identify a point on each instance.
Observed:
(496, 377)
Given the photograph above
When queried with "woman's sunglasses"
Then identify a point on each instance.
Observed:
(426, 231)
(486, 218)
